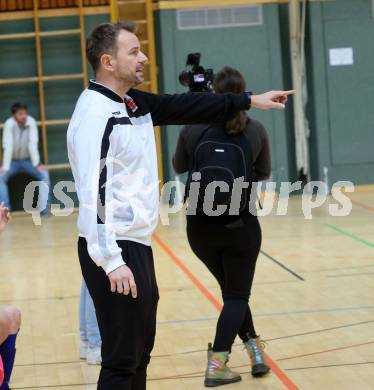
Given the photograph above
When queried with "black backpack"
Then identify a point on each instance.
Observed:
(219, 157)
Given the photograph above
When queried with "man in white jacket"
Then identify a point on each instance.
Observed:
(21, 154)
(112, 153)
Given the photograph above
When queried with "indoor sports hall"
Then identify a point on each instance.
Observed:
(312, 293)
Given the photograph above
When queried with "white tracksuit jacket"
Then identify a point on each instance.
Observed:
(112, 153)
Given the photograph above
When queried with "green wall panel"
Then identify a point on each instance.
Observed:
(347, 9)
(60, 97)
(55, 52)
(351, 119)
(12, 26)
(59, 23)
(342, 109)
(57, 148)
(17, 58)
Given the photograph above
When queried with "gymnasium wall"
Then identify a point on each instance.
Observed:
(340, 107)
(341, 97)
(61, 55)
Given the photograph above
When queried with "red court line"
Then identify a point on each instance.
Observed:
(275, 368)
(363, 206)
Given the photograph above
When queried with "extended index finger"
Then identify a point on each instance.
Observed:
(286, 93)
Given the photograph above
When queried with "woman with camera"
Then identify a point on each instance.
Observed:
(227, 244)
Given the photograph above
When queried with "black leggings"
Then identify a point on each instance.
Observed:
(230, 252)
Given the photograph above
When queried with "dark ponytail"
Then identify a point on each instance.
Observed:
(231, 80)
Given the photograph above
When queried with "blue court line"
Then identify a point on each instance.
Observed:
(275, 314)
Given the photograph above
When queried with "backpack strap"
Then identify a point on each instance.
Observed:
(192, 162)
(196, 143)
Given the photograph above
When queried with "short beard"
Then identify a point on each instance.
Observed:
(136, 81)
(139, 80)
(22, 123)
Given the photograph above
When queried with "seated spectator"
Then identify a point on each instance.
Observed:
(21, 154)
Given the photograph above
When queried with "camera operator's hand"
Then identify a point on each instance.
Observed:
(270, 100)
(122, 281)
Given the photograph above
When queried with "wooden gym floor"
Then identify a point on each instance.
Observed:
(312, 299)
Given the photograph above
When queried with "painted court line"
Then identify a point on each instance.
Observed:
(311, 311)
(349, 275)
(328, 366)
(327, 350)
(52, 386)
(350, 235)
(363, 206)
(276, 314)
(309, 333)
(282, 266)
(323, 330)
(275, 368)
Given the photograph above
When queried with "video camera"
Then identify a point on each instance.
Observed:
(195, 77)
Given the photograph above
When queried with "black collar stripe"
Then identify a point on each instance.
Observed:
(105, 91)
